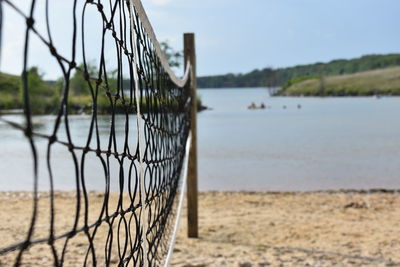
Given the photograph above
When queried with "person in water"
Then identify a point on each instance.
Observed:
(252, 106)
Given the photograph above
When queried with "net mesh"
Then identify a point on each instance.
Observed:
(140, 150)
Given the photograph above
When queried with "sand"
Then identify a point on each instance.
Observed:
(245, 229)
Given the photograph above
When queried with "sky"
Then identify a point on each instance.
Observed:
(236, 36)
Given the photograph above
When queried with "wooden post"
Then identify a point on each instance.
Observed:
(192, 203)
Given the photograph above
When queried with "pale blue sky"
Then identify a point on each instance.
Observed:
(238, 36)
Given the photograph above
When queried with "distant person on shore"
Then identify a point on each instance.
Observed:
(262, 106)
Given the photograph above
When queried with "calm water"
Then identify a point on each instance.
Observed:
(328, 143)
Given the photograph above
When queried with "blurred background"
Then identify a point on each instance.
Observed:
(257, 62)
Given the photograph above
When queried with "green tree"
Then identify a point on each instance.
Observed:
(78, 84)
(36, 85)
(112, 80)
(174, 57)
(43, 97)
(9, 91)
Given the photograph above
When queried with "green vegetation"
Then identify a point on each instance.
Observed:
(45, 97)
(375, 82)
(10, 97)
(368, 75)
(11, 92)
(299, 79)
(279, 77)
(174, 57)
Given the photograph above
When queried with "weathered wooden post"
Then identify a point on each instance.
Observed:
(192, 203)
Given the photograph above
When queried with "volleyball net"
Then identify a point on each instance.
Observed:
(133, 143)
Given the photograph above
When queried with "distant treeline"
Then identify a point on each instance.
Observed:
(269, 77)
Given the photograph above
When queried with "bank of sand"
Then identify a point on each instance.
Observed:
(246, 229)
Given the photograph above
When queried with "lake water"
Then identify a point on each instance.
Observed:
(312, 144)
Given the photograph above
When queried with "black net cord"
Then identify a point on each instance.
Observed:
(116, 235)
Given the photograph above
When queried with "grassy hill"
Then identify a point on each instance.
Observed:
(279, 77)
(376, 82)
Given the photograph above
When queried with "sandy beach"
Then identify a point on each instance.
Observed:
(336, 228)
(294, 229)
